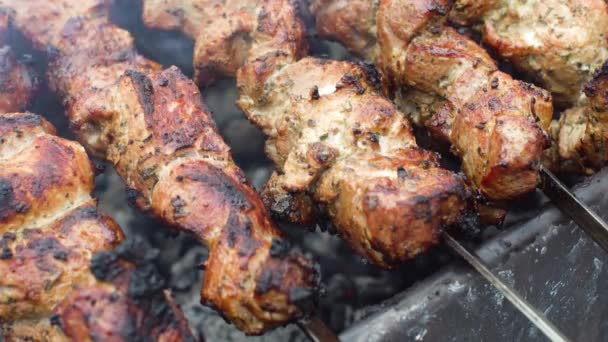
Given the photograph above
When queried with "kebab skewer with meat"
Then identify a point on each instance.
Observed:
(450, 85)
(339, 144)
(495, 132)
(50, 232)
(563, 46)
(335, 141)
(152, 125)
(342, 151)
(50, 229)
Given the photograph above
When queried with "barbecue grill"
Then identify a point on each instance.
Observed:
(539, 252)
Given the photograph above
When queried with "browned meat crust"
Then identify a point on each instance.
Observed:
(17, 82)
(108, 314)
(49, 228)
(558, 43)
(581, 134)
(177, 165)
(359, 166)
(47, 217)
(154, 128)
(563, 46)
(230, 33)
(119, 308)
(451, 86)
(338, 143)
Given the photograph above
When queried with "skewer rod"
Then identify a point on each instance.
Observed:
(578, 211)
(537, 318)
(317, 330)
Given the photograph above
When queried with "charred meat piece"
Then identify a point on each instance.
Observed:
(557, 43)
(154, 128)
(49, 222)
(561, 45)
(581, 133)
(128, 303)
(449, 84)
(180, 169)
(344, 151)
(49, 228)
(230, 33)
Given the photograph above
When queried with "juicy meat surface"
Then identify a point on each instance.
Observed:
(153, 126)
(450, 85)
(230, 33)
(581, 133)
(179, 168)
(563, 46)
(17, 81)
(49, 222)
(49, 229)
(107, 313)
(340, 145)
(127, 304)
(559, 44)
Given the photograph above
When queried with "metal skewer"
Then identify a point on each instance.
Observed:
(537, 318)
(578, 211)
(566, 201)
(317, 330)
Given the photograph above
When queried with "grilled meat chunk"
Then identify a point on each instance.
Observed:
(107, 313)
(557, 43)
(228, 34)
(17, 81)
(179, 168)
(49, 222)
(339, 144)
(49, 229)
(562, 45)
(154, 128)
(581, 133)
(449, 84)
(128, 303)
